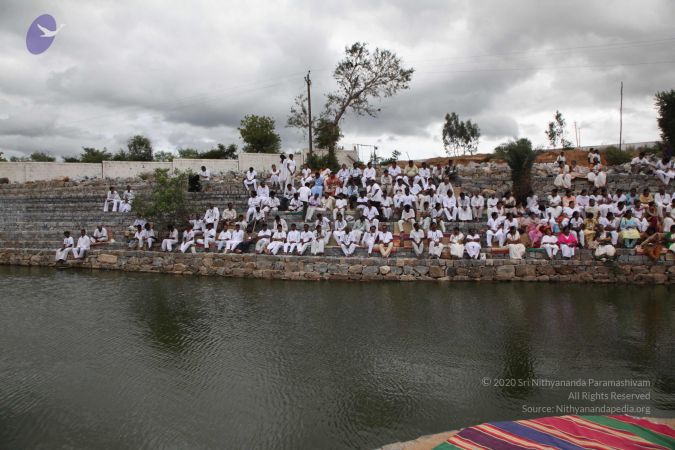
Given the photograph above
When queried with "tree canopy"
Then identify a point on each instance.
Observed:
(139, 148)
(520, 157)
(555, 133)
(362, 77)
(259, 135)
(460, 136)
(665, 103)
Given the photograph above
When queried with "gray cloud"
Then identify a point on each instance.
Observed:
(186, 73)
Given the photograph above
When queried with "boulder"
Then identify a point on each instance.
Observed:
(107, 259)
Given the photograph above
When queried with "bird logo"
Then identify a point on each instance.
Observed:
(41, 34)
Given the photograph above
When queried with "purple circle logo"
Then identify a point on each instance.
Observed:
(41, 34)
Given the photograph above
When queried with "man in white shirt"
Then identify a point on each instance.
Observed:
(348, 241)
(291, 167)
(222, 238)
(188, 239)
(67, 247)
(407, 215)
(640, 163)
(318, 241)
(236, 239)
(369, 173)
(292, 240)
(100, 235)
(229, 215)
(208, 238)
(277, 242)
(212, 216)
(250, 180)
(83, 245)
(417, 239)
(369, 238)
(112, 200)
(495, 230)
(435, 237)
(385, 241)
(306, 238)
(264, 236)
(171, 239)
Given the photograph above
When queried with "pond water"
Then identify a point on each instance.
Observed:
(127, 360)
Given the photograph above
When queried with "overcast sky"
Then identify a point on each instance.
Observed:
(184, 73)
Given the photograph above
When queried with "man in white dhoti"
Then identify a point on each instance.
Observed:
(264, 236)
(149, 237)
(274, 178)
(83, 245)
(67, 247)
(136, 240)
(348, 241)
(292, 239)
(124, 206)
(112, 200)
(236, 239)
(477, 205)
(435, 237)
(208, 238)
(318, 241)
(306, 238)
(417, 239)
(251, 180)
(457, 243)
(472, 244)
(463, 208)
(212, 216)
(495, 230)
(277, 241)
(549, 243)
(229, 214)
(339, 227)
(188, 240)
(369, 238)
(407, 216)
(100, 235)
(385, 241)
(171, 239)
(221, 239)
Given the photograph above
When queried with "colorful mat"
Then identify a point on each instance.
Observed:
(565, 432)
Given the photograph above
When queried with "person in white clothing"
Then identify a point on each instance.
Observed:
(274, 178)
(236, 239)
(112, 200)
(369, 173)
(188, 240)
(318, 241)
(67, 247)
(348, 242)
(435, 237)
(495, 230)
(149, 237)
(292, 239)
(472, 244)
(477, 205)
(124, 206)
(208, 238)
(277, 241)
(251, 179)
(306, 238)
(550, 243)
(457, 243)
(369, 238)
(516, 248)
(212, 216)
(137, 240)
(339, 227)
(417, 239)
(229, 214)
(100, 235)
(264, 237)
(407, 215)
(170, 240)
(221, 239)
(664, 170)
(291, 167)
(83, 245)
(385, 241)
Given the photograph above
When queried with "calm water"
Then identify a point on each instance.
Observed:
(116, 360)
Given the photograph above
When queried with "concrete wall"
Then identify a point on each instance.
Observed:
(215, 166)
(128, 169)
(637, 270)
(262, 162)
(21, 172)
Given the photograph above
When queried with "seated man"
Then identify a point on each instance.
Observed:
(171, 239)
(385, 241)
(124, 206)
(100, 235)
(188, 240)
(112, 200)
(306, 238)
(223, 236)
(229, 214)
(277, 241)
(236, 238)
(348, 241)
(369, 238)
(67, 247)
(83, 245)
(292, 239)
(250, 180)
(149, 237)
(208, 238)
(137, 240)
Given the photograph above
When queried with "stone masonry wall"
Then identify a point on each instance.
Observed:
(637, 269)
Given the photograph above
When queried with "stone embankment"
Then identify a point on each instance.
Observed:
(628, 269)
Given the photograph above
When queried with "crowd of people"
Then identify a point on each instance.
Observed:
(379, 210)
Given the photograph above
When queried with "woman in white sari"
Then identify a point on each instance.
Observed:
(516, 248)
(457, 243)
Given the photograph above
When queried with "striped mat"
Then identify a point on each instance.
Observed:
(565, 432)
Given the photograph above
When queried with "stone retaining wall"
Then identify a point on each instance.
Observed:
(639, 270)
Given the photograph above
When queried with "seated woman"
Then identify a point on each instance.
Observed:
(550, 243)
(628, 230)
(567, 242)
(535, 232)
(514, 244)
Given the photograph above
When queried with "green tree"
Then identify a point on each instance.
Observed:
(94, 155)
(665, 103)
(188, 153)
(362, 77)
(395, 155)
(163, 156)
(258, 134)
(41, 157)
(520, 158)
(139, 148)
(2, 157)
(555, 133)
(221, 152)
(19, 159)
(460, 136)
(167, 202)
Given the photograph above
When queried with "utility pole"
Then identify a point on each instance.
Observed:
(576, 133)
(309, 111)
(621, 117)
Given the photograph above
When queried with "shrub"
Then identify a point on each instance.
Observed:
(329, 160)
(615, 157)
(167, 202)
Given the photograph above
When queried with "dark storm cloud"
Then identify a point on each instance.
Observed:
(186, 73)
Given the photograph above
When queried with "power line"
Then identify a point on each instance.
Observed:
(507, 69)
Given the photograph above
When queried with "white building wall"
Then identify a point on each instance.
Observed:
(21, 172)
(130, 169)
(215, 166)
